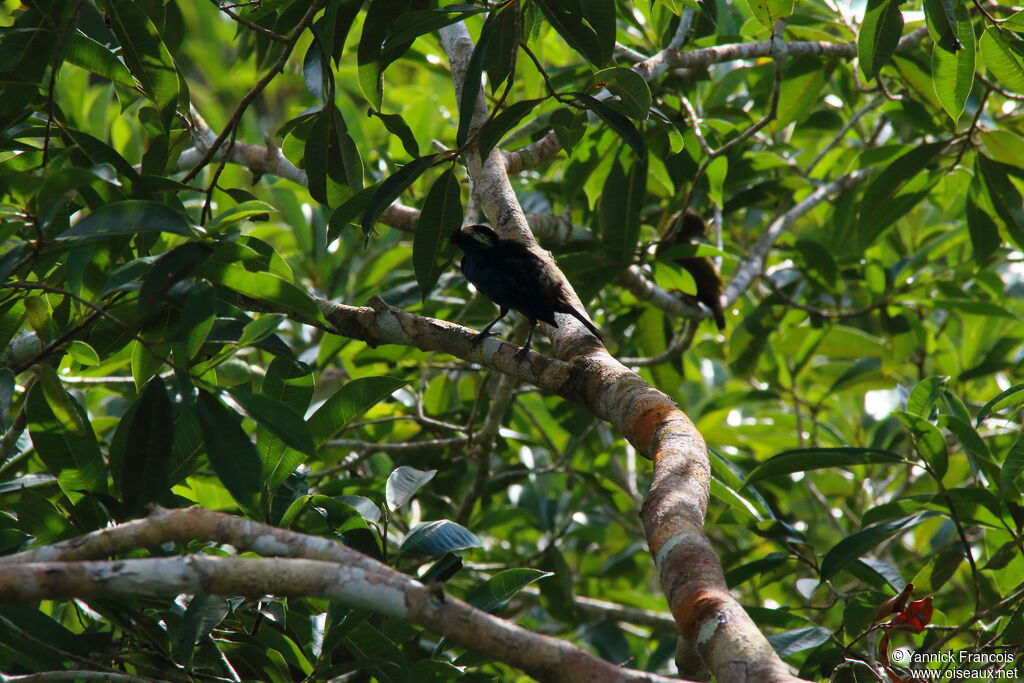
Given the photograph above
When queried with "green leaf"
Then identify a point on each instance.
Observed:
(403, 484)
(879, 35)
(83, 353)
(85, 52)
(203, 614)
(619, 123)
(147, 57)
(768, 11)
(716, 172)
(371, 56)
(259, 285)
(349, 210)
(495, 129)
(231, 453)
(128, 217)
(1013, 465)
(924, 395)
(500, 60)
(807, 459)
(885, 200)
(631, 89)
(1003, 56)
(439, 537)
(943, 24)
(1006, 199)
(348, 403)
(396, 125)
(854, 546)
(240, 212)
(330, 158)
(410, 25)
(801, 89)
(63, 437)
(581, 33)
(1007, 397)
(440, 217)
(169, 269)
(148, 449)
(619, 209)
(291, 384)
(929, 442)
(389, 190)
(953, 70)
(471, 82)
(796, 640)
(277, 417)
(981, 221)
(492, 594)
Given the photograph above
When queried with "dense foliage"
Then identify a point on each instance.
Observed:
(161, 343)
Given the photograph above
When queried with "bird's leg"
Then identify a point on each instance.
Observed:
(484, 333)
(521, 353)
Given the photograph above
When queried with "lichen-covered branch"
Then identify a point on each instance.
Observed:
(299, 565)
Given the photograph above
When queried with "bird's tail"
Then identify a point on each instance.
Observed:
(571, 310)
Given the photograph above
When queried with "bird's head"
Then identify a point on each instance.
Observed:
(475, 237)
(691, 227)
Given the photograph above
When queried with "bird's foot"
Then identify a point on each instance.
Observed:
(520, 355)
(478, 338)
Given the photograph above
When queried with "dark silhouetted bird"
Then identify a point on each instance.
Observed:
(513, 277)
(690, 229)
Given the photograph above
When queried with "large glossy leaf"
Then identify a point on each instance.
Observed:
(148, 449)
(619, 123)
(440, 217)
(888, 198)
(619, 209)
(439, 537)
(590, 31)
(331, 159)
(495, 129)
(953, 70)
(943, 24)
(1004, 56)
(348, 403)
(259, 285)
(85, 52)
(231, 452)
(63, 437)
(147, 57)
(767, 12)
(807, 459)
(372, 57)
(1006, 199)
(403, 484)
(277, 417)
(169, 269)
(203, 614)
(129, 217)
(389, 190)
(879, 35)
(854, 546)
(1013, 465)
(493, 593)
(632, 90)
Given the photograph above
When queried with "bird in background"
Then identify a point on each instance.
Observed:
(513, 277)
(690, 230)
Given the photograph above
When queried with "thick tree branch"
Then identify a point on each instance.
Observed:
(711, 623)
(315, 567)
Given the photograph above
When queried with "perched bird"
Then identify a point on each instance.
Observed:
(513, 277)
(690, 229)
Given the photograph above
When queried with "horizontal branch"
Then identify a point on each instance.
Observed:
(314, 567)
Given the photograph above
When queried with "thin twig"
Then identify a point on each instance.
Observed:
(236, 116)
